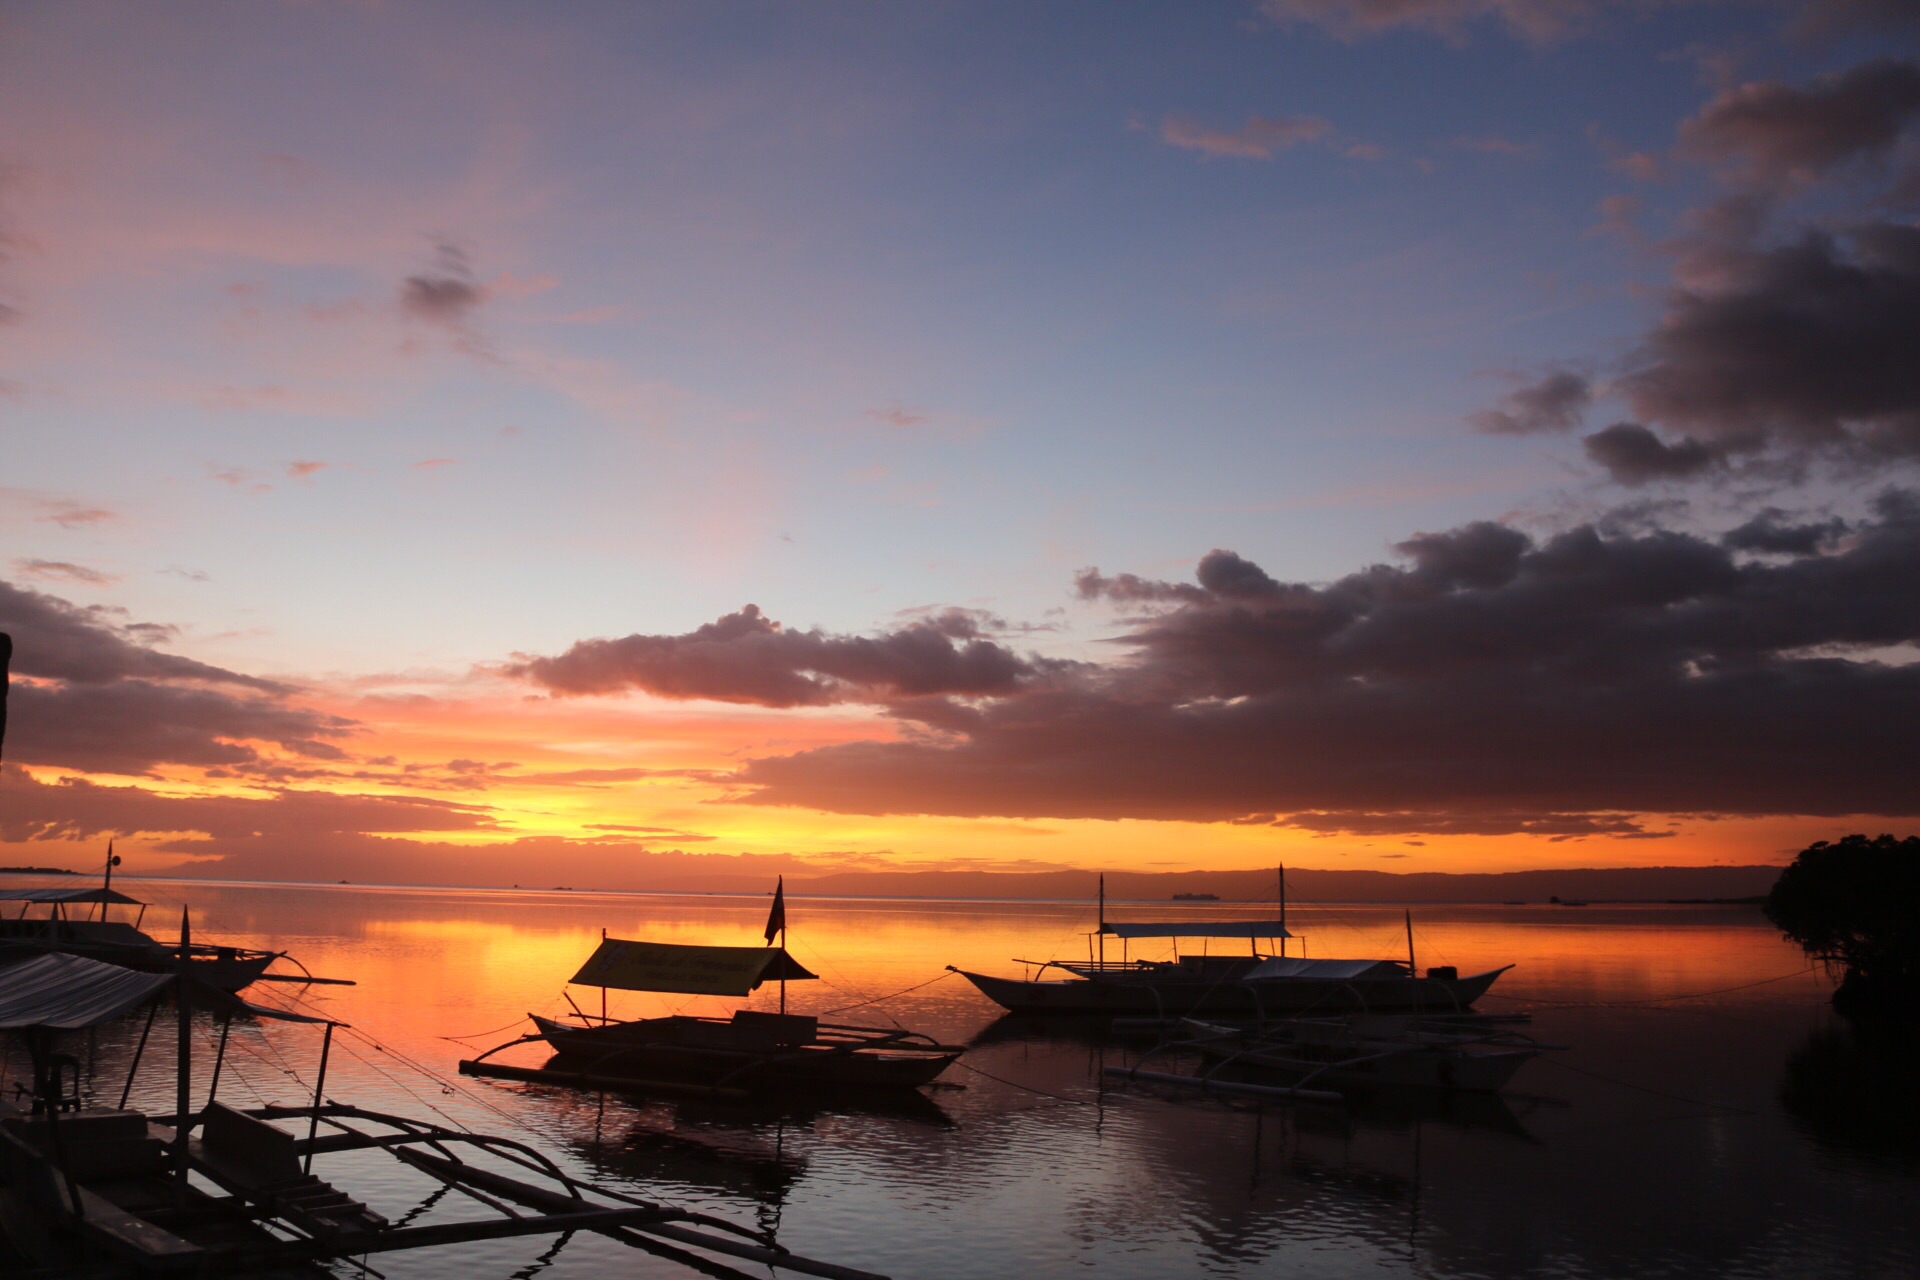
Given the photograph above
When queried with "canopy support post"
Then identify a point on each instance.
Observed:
(153, 1011)
(320, 1083)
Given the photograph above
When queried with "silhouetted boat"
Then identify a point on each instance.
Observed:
(112, 1192)
(1255, 983)
(751, 1052)
(118, 941)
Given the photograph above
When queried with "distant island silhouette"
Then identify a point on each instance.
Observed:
(37, 871)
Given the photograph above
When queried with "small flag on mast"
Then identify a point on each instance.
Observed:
(777, 918)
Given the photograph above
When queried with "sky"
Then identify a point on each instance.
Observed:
(616, 444)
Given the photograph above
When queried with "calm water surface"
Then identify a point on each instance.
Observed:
(1709, 1118)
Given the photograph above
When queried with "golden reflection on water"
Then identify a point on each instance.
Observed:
(1656, 1143)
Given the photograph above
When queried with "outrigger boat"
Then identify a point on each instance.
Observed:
(222, 1191)
(753, 1051)
(1254, 983)
(95, 937)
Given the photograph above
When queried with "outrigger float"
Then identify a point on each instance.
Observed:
(217, 1190)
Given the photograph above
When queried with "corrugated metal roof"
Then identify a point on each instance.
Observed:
(1199, 929)
(65, 993)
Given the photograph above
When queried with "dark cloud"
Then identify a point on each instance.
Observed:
(1773, 532)
(1562, 687)
(75, 809)
(92, 693)
(62, 641)
(1826, 18)
(747, 657)
(1780, 135)
(1554, 403)
(1555, 826)
(447, 292)
(1634, 455)
(1804, 347)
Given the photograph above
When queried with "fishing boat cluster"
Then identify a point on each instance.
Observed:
(211, 1188)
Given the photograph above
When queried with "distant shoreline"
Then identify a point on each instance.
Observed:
(802, 890)
(37, 871)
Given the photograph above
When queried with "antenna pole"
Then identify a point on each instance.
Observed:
(1411, 971)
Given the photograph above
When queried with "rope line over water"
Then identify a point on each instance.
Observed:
(1646, 1004)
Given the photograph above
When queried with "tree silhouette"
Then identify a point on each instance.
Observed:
(1856, 906)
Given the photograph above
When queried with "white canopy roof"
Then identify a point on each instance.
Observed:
(1336, 970)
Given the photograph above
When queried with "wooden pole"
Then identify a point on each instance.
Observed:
(1103, 919)
(313, 1121)
(219, 1058)
(183, 1060)
(152, 1011)
(1283, 908)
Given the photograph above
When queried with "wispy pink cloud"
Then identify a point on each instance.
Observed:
(1260, 138)
(63, 571)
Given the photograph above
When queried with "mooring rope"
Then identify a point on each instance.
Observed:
(894, 996)
(1645, 1004)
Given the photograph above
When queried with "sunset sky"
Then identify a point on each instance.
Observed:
(623, 443)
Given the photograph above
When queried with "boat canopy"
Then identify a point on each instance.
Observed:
(1340, 970)
(1199, 929)
(111, 897)
(64, 993)
(685, 970)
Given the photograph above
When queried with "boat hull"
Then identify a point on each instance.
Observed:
(706, 1050)
(1150, 993)
(228, 969)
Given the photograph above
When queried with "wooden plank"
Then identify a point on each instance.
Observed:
(554, 1203)
(1228, 1086)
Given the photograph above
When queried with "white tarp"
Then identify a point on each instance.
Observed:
(1198, 929)
(1331, 970)
(65, 992)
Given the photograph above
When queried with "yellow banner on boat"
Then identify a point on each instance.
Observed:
(684, 970)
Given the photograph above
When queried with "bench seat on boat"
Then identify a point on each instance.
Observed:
(253, 1159)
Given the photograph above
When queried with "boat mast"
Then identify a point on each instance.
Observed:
(1283, 908)
(1103, 919)
(107, 883)
(1411, 971)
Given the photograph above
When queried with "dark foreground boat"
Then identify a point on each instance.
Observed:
(751, 1052)
(111, 1192)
